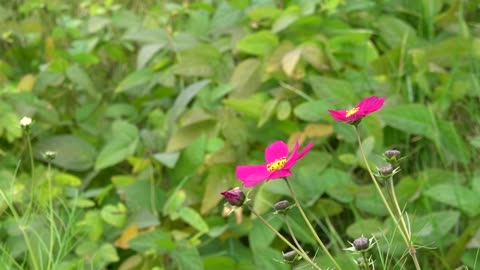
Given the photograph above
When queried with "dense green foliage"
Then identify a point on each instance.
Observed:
(150, 105)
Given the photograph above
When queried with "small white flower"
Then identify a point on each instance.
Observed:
(25, 122)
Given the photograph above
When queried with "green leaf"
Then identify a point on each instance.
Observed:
(313, 111)
(167, 159)
(174, 204)
(334, 91)
(251, 106)
(122, 144)
(452, 143)
(67, 179)
(268, 258)
(79, 77)
(200, 61)
(182, 100)
(396, 32)
(192, 218)
(114, 215)
(260, 235)
(188, 259)
(365, 227)
(410, 118)
(135, 82)
(283, 110)
(434, 226)
(73, 153)
(327, 208)
(457, 196)
(258, 43)
(154, 240)
(246, 78)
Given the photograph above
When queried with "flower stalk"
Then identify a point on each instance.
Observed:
(398, 219)
(314, 233)
(299, 252)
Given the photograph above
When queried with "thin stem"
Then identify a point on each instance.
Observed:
(32, 168)
(405, 235)
(302, 254)
(404, 226)
(22, 229)
(365, 260)
(52, 221)
(324, 248)
(293, 235)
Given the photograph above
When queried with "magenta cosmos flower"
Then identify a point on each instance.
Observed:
(278, 164)
(365, 107)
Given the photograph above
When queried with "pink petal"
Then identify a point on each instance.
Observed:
(280, 174)
(296, 156)
(276, 150)
(370, 104)
(339, 115)
(252, 175)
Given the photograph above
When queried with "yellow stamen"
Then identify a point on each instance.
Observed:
(352, 111)
(276, 165)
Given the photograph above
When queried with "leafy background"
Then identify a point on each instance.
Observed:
(150, 105)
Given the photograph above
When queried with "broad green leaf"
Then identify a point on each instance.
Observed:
(218, 262)
(452, 142)
(218, 179)
(434, 226)
(67, 179)
(182, 100)
(246, 78)
(457, 196)
(169, 159)
(135, 82)
(188, 258)
(268, 258)
(193, 218)
(147, 52)
(251, 106)
(174, 204)
(396, 32)
(121, 145)
(186, 135)
(200, 61)
(258, 43)
(327, 208)
(191, 158)
(261, 236)
(267, 111)
(225, 16)
(313, 111)
(410, 118)
(114, 215)
(72, 152)
(283, 110)
(154, 240)
(365, 227)
(334, 91)
(79, 77)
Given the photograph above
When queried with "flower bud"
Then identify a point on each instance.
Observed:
(50, 155)
(234, 197)
(25, 122)
(281, 205)
(290, 256)
(361, 243)
(385, 170)
(392, 155)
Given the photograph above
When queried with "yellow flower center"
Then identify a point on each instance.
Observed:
(352, 111)
(276, 165)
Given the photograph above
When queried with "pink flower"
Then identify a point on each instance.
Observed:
(367, 106)
(278, 164)
(234, 197)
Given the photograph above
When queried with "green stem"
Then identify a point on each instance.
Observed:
(32, 168)
(365, 260)
(299, 252)
(22, 229)
(315, 235)
(293, 235)
(405, 234)
(52, 221)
